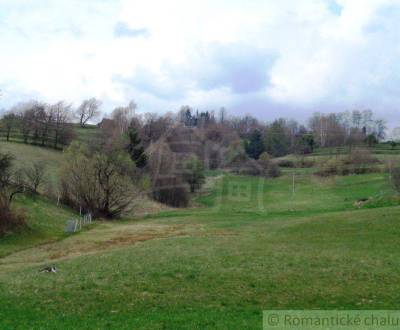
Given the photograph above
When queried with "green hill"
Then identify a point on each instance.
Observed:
(25, 154)
(252, 245)
(45, 223)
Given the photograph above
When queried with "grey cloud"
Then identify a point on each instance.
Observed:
(242, 68)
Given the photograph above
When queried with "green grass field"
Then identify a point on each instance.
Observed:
(46, 223)
(252, 244)
(26, 154)
(87, 134)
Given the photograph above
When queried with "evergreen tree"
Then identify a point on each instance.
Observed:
(277, 142)
(255, 146)
(136, 149)
(371, 140)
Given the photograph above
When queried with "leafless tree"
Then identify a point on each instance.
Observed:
(34, 176)
(61, 115)
(9, 122)
(122, 116)
(88, 110)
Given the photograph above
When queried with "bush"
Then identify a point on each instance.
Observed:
(171, 191)
(347, 166)
(194, 173)
(331, 167)
(264, 160)
(360, 157)
(249, 167)
(286, 163)
(305, 163)
(273, 171)
(10, 220)
(383, 201)
(396, 179)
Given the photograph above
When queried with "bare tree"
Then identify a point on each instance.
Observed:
(9, 121)
(88, 110)
(61, 116)
(11, 182)
(9, 220)
(34, 176)
(122, 116)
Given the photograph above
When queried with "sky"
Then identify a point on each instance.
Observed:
(268, 58)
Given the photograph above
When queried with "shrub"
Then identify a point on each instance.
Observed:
(355, 163)
(360, 157)
(273, 171)
(396, 179)
(305, 163)
(264, 160)
(383, 201)
(194, 173)
(10, 220)
(331, 167)
(171, 191)
(286, 163)
(248, 167)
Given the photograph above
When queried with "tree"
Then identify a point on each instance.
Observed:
(61, 115)
(396, 178)
(222, 115)
(371, 139)
(88, 110)
(9, 186)
(34, 176)
(194, 173)
(9, 121)
(396, 134)
(136, 149)
(167, 187)
(255, 146)
(5, 170)
(27, 120)
(11, 182)
(98, 182)
(304, 143)
(122, 116)
(277, 141)
(155, 127)
(380, 129)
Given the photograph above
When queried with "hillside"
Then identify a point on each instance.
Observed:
(46, 223)
(253, 245)
(26, 154)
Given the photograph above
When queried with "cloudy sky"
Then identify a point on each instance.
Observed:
(264, 57)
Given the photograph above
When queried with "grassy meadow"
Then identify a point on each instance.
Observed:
(26, 154)
(247, 245)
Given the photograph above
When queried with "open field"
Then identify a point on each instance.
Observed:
(86, 134)
(252, 245)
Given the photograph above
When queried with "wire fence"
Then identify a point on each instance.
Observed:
(76, 225)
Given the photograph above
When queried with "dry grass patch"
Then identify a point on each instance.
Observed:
(103, 237)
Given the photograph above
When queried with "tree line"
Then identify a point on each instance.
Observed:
(49, 125)
(166, 156)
